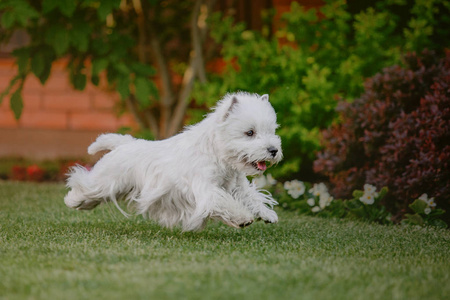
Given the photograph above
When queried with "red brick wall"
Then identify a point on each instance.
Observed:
(56, 108)
(56, 105)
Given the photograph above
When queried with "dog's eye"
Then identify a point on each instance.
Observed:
(250, 133)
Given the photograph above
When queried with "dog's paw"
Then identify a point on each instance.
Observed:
(269, 216)
(77, 201)
(243, 221)
(246, 224)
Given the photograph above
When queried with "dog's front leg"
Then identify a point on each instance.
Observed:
(260, 204)
(231, 212)
(215, 203)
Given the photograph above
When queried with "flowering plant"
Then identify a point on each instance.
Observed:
(306, 198)
(31, 173)
(315, 199)
(425, 213)
(366, 205)
(35, 173)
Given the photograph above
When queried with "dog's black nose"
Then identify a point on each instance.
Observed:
(272, 151)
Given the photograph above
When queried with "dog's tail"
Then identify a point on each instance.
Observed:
(109, 141)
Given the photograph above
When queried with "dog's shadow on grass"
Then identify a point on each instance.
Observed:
(106, 223)
(148, 231)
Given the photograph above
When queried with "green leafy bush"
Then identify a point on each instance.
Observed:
(317, 57)
(79, 31)
(113, 44)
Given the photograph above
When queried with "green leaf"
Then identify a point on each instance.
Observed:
(49, 5)
(23, 58)
(8, 19)
(415, 219)
(353, 204)
(123, 87)
(67, 7)
(45, 73)
(418, 206)
(100, 47)
(357, 194)
(79, 81)
(99, 65)
(153, 89)
(382, 193)
(438, 223)
(25, 13)
(95, 79)
(16, 103)
(41, 62)
(79, 35)
(143, 70)
(358, 213)
(142, 91)
(57, 37)
(122, 68)
(20, 12)
(436, 212)
(8, 88)
(38, 63)
(106, 7)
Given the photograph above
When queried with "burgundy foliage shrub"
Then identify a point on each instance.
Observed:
(397, 134)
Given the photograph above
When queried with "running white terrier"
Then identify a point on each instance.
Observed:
(197, 175)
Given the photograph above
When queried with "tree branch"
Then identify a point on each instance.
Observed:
(132, 107)
(167, 97)
(153, 124)
(145, 119)
(196, 63)
(142, 35)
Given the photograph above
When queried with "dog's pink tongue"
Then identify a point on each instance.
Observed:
(262, 165)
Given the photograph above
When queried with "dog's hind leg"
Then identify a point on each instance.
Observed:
(76, 199)
(81, 196)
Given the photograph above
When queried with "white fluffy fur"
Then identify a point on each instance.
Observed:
(191, 177)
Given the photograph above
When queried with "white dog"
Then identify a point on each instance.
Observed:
(197, 175)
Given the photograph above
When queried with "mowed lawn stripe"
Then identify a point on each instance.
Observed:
(48, 251)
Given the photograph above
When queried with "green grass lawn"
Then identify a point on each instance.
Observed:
(48, 251)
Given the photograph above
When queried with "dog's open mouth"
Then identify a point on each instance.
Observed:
(260, 165)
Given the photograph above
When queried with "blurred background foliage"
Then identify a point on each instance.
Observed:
(317, 58)
(154, 55)
(170, 66)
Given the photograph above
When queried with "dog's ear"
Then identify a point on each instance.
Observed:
(265, 97)
(234, 101)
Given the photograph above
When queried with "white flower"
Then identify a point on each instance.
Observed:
(430, 202)
(318, 189)
(270, 179)
(325, 200)
(367, 199)
(370, 193)
(315, 209)
(295, 188)
(424, 197)
(311, 201)
(287, 185)
(427, 210)
(370, 189)
(260, 181)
